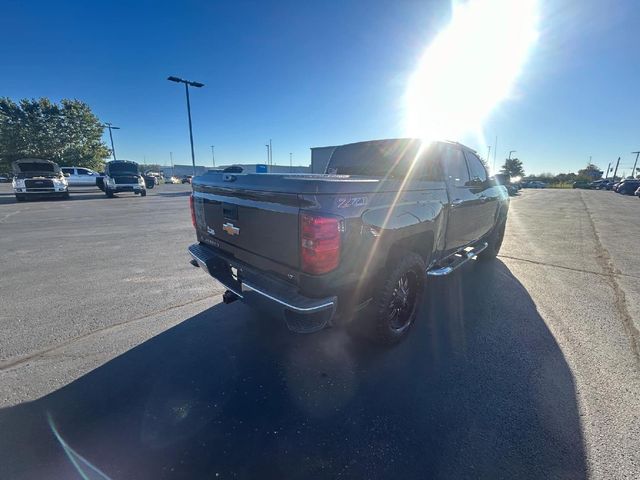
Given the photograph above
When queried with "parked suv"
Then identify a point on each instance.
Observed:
(628, 186)
(123, 176)
(37, 177)
(80, 176)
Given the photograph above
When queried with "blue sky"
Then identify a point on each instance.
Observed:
(316, 73)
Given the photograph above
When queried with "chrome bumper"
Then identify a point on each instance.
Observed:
(263, 292)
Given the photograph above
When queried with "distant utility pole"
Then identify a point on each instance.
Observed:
(290, 162)
(608, 170)
(171, 157)
(633, 172)
(270, 153)
(213, 156)
(510, 152)
(590, 162)
(495, 151)
(616, 170)
(111, 127)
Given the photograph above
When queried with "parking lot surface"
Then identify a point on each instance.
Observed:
(118, 359)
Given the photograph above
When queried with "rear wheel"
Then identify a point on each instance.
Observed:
(143, 193)
(398, 298)
(108, 192)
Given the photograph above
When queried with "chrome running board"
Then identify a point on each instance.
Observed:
(457, 260)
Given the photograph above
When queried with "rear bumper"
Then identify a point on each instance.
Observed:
(266, 293)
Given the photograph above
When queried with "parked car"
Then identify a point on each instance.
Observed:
(312, 249)
(123, 176)
(80, 176)
(153, 175)
(5, 178)
(186, 179)
(581, 184)
(536, 184)
(150, 181)
(597, 184)
(174, 180)
(35, 177)
(628, 186)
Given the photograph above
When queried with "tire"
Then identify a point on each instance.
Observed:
(143, 193)
(65, 196)
(494, 241)
(108, 192)
(20, 198)
(398, 298)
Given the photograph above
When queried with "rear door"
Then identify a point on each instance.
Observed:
(486, 192)
(466, 207)
(85, 177)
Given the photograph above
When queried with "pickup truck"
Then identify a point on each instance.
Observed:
(312, 249)
(122, 176)
(35, 177)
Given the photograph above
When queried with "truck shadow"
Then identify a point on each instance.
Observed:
(480, 389)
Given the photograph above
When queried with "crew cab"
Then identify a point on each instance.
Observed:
(80, 177)
(313, 248)
(35, 177)
(122, 176)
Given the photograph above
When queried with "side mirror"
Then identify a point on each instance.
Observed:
(67, 174)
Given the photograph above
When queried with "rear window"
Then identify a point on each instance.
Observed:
(392, 159)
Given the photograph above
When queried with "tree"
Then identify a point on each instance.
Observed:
(513, 168)
(590, 172)
(68, 133)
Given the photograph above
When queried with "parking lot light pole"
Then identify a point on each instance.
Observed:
(633, 172)
(111, 127)
(213, 156)
(187, 84)
(268, 154)
(616, 170)
(510, 152)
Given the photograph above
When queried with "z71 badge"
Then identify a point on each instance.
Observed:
(346, 202)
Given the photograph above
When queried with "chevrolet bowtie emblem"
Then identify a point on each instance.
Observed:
(231, 229)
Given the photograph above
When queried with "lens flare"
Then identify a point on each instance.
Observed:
(470, 67)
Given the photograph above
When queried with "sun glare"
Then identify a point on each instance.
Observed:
(470, 67)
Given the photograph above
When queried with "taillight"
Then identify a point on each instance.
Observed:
(319, 243)
(193, 211)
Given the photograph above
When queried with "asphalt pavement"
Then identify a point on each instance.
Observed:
(117, 359)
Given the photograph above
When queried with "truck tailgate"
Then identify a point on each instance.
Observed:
(260, 222)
